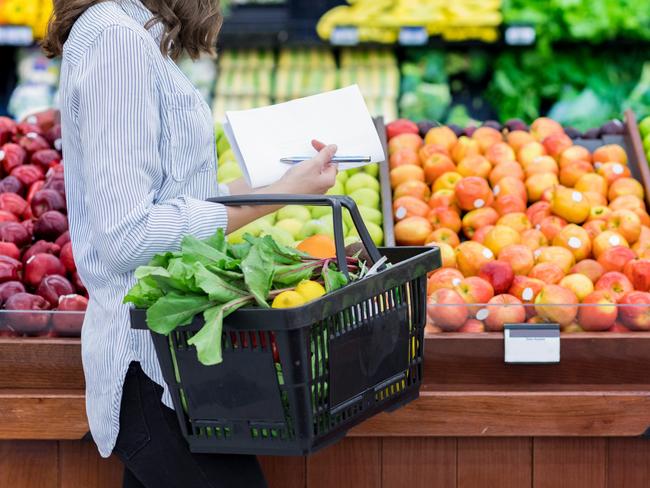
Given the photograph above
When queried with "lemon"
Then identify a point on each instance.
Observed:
(288, 299)
(310, 290)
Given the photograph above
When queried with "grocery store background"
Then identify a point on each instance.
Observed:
(583, 62)
(457, 62)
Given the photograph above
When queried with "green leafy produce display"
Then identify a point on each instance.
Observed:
(576, 88)
(432, 80)
(216, 278)
(581, 20)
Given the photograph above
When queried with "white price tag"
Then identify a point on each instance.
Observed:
(345, 36)
(16, 35)
(520, 35)
(532, 344)
(413, 36)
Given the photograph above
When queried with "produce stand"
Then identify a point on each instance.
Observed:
(476, 419)
(584, 422)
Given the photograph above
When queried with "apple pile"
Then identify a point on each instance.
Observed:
(37, 269)
(531, 227)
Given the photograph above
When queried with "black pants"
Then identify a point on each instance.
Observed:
(156, 455)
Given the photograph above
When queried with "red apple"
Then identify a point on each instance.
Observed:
(638, 272)
(475, 291)
(447, 309)
(472, 326)
(634, 310)
(557, 304)
(615, 258)
(590, 268)
(598, 312)
(499, 274)
(504, 309)
(616, 283)
(443, 278)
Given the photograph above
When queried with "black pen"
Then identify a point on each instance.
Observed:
(335, 159)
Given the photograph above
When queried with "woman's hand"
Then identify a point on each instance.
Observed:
(312, 177)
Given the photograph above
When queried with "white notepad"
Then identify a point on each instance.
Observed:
(260, 137)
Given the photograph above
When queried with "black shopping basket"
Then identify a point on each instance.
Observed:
(295, 380)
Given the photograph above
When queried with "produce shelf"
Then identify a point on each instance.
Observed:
(600, 388)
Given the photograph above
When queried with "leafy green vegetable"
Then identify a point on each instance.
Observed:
(218, 289)
(173, 310)
(215, 278)
(258, 270)
(333, 279)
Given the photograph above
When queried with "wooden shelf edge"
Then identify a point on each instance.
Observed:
(508, 413)
(61, 415)
(42, 415)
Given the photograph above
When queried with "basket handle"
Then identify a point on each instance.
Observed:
(334, 201)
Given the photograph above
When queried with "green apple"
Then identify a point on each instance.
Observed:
(342, 176)
(292, 226)
(351, 240)
(360, 180)
(228, 172)
(226, 157)
(353, 171)
(376, 234)
(254, 228)
(280, 236)
(371, 215)
(299, 212)
(347, 219)
(646, 142)
(337, 189)
(644, 126)
(366, 197)
(316, 226)
(372, 169)
(269, 218)
(222, 145)
(328, 221)
(320, 211)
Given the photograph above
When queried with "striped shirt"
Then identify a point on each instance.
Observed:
(140, 160)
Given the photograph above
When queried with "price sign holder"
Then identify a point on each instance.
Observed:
(520, 35)
(16, 35)
(345, 35)
(531, 343)
(413, 36)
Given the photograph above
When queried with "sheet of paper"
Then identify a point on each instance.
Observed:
(261, 136)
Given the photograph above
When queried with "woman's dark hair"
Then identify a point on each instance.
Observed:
(191, 26)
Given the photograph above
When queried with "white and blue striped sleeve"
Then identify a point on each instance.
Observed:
(120, 127)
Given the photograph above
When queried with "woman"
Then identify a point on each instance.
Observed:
(139, 163)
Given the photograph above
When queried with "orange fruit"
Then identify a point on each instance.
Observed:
(319, 246)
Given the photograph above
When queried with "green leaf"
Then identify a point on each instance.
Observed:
(182, 274)
(292, 274)
(162, 260)
(218, 289)
(333, 279)
(173, 310)
(201, 251)
(160, 276)
(239, 251)
(225, 273)
(143, 294)
(208, 340)
(257, 267)
(218, 241)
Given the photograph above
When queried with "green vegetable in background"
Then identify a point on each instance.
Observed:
(215, 278)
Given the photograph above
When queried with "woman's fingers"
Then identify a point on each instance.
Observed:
(316, 144)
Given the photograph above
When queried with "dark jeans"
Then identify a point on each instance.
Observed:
(156, 455)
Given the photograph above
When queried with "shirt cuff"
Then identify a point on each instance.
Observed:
(205, 218)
